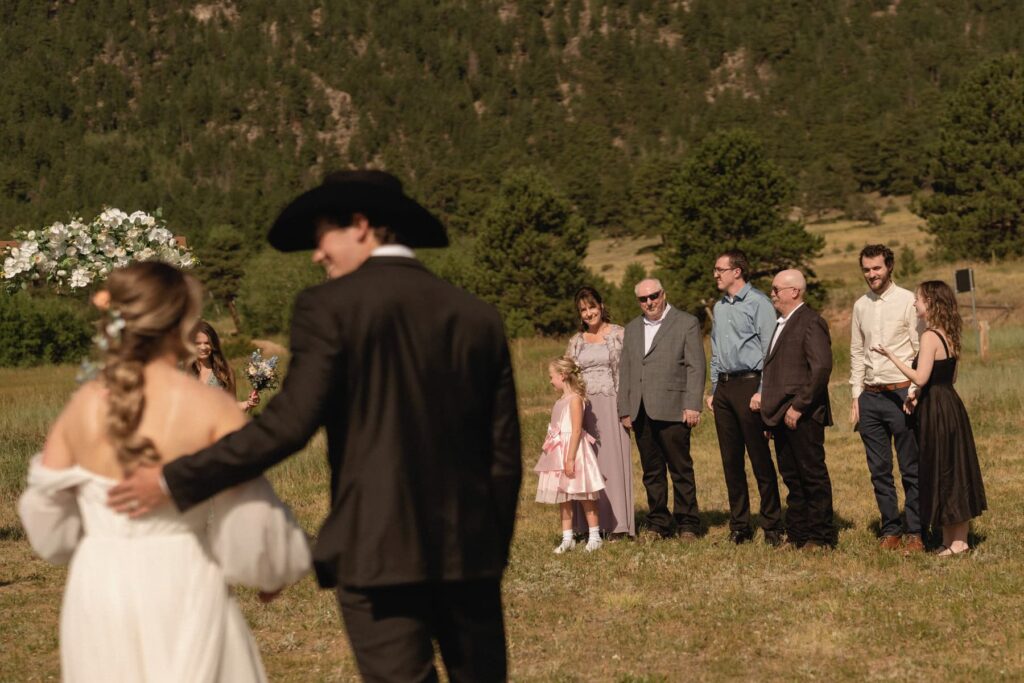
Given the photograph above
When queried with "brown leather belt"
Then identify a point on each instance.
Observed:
(879, 388)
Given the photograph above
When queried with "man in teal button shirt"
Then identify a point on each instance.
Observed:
(744, 321)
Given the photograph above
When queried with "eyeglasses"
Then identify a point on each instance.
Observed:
(650, 297)
(725, 270)
(776, 290)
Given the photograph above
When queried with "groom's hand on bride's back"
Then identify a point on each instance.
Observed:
(140, 493)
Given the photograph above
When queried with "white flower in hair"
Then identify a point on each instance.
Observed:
(116, 324)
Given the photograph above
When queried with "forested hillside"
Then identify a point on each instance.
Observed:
(218, 112)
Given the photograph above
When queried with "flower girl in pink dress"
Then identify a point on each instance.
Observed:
(568, 465)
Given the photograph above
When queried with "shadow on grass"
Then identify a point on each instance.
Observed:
(875, 527)
(717, 518)
(708, 519)
(711, 518)
(11, 533)
(842, 523)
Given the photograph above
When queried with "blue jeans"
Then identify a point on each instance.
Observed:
(882, 423)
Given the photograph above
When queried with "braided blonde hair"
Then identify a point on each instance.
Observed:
(571, 374)
(152, 309)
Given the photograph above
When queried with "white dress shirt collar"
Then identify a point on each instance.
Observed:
(782, 320)
(648, 321)
(781, 324)
(393, 250)
(884, 296)
(651, 328)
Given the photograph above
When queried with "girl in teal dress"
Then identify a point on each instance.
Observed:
(211, 367)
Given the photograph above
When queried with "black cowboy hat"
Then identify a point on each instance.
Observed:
(376, 194)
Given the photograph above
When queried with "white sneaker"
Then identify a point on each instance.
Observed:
(593, 544)
(565, 546)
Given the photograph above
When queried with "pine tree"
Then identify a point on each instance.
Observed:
(621, 298)
(728, 195)
(529, 252)
(977, 166)
(222, 266)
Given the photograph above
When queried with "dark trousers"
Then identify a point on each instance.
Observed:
(801, 454)
(882, 422)
(664, 444)
(739, 428)
(392, 630)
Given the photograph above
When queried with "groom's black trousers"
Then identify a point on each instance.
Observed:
(393, 628)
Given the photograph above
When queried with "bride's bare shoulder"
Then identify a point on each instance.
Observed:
(86, 399)
(77, 418)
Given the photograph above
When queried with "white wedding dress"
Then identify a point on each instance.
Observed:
(147, 600)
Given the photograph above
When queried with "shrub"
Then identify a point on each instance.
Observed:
(268, 290)
(222, 266)
(238, 346)
(36, 330)
(907, 265)
(857, 207)
(621, 299)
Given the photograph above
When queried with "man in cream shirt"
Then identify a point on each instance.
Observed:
(885, 316)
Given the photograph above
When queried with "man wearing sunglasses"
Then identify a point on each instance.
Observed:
(661, 384)
(795, 406)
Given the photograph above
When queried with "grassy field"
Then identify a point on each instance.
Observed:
(646, 610)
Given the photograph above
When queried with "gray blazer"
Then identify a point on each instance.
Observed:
(670, 378)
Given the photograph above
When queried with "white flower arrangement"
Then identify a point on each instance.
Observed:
(75, 254)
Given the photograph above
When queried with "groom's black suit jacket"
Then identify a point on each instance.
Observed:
(412, 379)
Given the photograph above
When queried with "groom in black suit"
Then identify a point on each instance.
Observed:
(412, 380)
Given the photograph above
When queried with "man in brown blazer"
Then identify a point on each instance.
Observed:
(411, 378)
(795, 406)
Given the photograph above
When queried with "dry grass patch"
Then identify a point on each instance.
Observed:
(608, 257)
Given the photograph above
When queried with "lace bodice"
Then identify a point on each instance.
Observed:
(599, 362)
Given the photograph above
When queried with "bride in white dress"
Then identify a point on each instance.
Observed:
(148, 599)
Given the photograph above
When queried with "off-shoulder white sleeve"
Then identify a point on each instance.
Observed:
(255, 538)
(48, 509)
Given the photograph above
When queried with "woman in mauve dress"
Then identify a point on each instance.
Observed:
(596, 349)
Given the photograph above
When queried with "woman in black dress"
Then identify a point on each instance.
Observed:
(951, 490)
